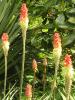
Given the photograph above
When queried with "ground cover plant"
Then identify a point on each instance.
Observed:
(37, 50)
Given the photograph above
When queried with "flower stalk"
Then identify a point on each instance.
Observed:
(34, 67)
(34, 80)
(23, 62)
(23, 21)
(68, 84)
(44, 73)
(5, 76)
(5, 46)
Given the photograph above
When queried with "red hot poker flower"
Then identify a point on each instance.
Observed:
(23, 20)
(28, 90)
(68, 61)
(56, 40)
(5, 37)
(23, 12)
(5, 43)
(34, 65)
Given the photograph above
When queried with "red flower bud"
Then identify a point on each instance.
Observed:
(5, 37)
(5, 43)
(56, 40)
(28, 90)
(34, 65)
(23, 12)
(68, 61)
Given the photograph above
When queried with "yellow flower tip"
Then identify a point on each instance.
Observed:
(24, 24)
(6, 45)
(57, 52)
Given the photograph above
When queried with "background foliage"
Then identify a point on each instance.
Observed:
(45, 16)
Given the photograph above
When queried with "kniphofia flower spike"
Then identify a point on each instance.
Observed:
(56, 40)
(68, 65)
(5, 43)
(23, 21)
(68, 69)
(28, 91)
(24, 17)
(68, 61)
(5, 46)
(57, 51)
(34, 65)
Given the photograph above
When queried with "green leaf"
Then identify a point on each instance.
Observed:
(60, 19)
(62, 95)
(71, 98)
(71, 11)
(69, 39)
(73, 1)
(71, 20)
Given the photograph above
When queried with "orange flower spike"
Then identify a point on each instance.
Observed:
(69, 72)
(34, 65)
(68, 61)
(24, 17)
(56, 40)
(23, 22)
(23, 12)
(57, 51)
(28, 91)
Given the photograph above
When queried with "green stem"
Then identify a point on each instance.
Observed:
(56, 70)
(9, 93)
(44, 78)
(53, 89)
(5, 75)
(23, 62)
(34, 84)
